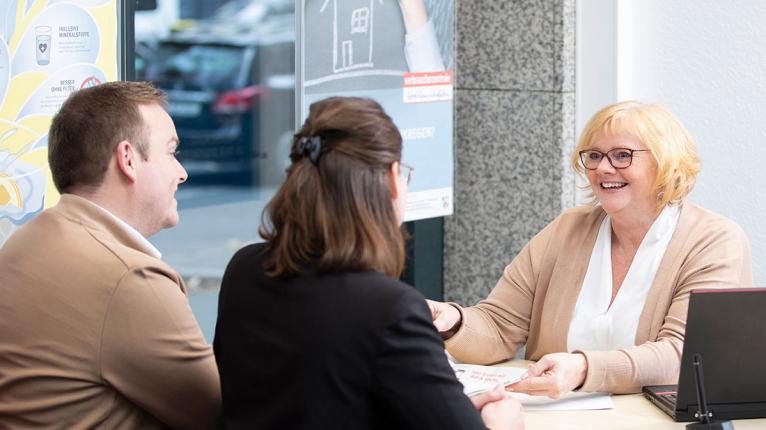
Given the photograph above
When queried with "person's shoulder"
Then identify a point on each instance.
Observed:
(574, 223)
(713, 244)
(246, 261)
(130, 268)
(377, 292)
(48, 222)
(248, 254)
(392, 310)
(580, 214)
(76, 240)
(27, 236)
(704, 221)
(378, 285)
(126, 261)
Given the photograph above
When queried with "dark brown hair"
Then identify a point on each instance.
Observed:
(88, 127)
(338, 214)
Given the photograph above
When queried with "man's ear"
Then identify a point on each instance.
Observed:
(393, 178)
(126, 158)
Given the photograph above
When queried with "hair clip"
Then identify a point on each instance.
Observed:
(310, 147)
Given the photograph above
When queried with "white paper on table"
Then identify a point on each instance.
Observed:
(477, 379)
(573, 401)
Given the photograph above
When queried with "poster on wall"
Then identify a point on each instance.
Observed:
(48, 49)
(398, 52)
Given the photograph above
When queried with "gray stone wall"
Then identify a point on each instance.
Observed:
(514, 134)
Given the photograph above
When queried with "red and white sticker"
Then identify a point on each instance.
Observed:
(427, 87)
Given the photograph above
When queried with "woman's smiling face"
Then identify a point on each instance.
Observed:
(629, 191)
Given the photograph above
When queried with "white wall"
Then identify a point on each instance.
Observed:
(596, 68)
(706, 61)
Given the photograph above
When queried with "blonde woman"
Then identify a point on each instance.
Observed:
(599, 296)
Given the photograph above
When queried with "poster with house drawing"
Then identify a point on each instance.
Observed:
(371, 48)
(350, 34)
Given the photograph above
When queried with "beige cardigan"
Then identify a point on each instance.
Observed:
(533, 301)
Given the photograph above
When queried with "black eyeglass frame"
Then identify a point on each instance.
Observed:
(608, 157)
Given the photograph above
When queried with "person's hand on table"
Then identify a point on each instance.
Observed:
(498, 411)
(553, 375)
(445, 317)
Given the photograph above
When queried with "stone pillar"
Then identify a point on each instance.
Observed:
(514, 133)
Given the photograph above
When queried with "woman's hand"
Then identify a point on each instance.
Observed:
(499, 411)
(444, 316)
(553, 375)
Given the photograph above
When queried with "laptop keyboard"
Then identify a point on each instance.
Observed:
(670, 397)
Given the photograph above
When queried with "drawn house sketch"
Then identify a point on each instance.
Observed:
(352, 44)
(352, 35)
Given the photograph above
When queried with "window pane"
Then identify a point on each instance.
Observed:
(228, 69)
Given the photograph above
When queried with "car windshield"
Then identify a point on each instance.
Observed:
(196, 67)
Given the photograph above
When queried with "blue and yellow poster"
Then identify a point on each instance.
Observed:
(48, 49)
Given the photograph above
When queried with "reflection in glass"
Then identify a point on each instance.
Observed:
(194, 66)
(230, 84)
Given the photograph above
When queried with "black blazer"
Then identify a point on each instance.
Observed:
(334, 351)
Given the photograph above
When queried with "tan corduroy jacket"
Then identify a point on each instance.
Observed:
(534, 300)
(95, 332)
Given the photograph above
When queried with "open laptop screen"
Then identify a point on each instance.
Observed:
(728, 327)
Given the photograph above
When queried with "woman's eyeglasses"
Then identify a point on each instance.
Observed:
(405, 171)
(619, 158)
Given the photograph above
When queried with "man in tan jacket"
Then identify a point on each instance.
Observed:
(95, 330)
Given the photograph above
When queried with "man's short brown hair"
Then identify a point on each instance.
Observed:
(89, 126)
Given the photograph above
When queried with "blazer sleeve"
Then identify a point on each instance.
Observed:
(496, 327)
(413, 379)
(719, 257)
(154, 353)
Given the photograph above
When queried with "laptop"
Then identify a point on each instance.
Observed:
(728, 328)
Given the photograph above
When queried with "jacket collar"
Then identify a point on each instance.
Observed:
(94, 217)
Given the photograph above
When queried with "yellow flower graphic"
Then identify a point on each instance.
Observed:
(22, 188)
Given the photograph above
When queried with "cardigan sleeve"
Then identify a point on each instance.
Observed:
(719, 257)
(494, 329)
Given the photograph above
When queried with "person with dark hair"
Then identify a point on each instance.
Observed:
(95, 330)
(314, 331)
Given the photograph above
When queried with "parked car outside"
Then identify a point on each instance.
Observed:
(231, 97)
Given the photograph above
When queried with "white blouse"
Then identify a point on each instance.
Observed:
(595, 325)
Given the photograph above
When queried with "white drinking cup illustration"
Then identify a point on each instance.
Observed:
(43, 45)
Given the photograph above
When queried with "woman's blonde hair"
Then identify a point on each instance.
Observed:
(667, 140)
